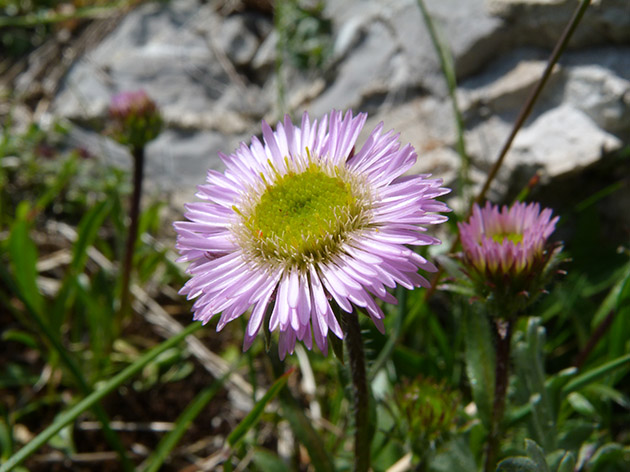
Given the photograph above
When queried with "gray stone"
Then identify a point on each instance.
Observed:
(384, 47)
(601, 88)
(562, 140)
(505, 87)
(238, 41)
(192, 61)
(540, 22)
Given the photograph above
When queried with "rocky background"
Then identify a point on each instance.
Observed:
(213, 68)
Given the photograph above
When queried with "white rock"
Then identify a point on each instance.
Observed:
(601, 94)
(562, 140)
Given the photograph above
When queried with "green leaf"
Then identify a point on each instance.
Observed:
(531, 369)
(252, 418)
(517, 464)
(480, 363)
(21, 337)
(567, 464)
(23, 259)
(619, 332)
(6, 438)
(194, 408)
(611, 453)
(455, 455)
(574, 433)
(266, 460)
(87, 232)
(537, 455)
(555, 383)
(581, 404)
(596, 373)
(303, 429)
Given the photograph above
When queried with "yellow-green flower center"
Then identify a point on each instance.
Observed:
(513, 237)
(304, 217)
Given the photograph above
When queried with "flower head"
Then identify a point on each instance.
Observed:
(135, 118)
(299, 220)
(505, 250)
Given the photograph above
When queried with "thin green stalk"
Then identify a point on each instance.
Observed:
(88, 402)
(194, 408)
(110, 435)
(446, 63)
(132, 235)
(354, 343)
(504, 337)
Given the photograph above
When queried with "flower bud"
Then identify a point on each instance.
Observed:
(135, 118)
(506, 254)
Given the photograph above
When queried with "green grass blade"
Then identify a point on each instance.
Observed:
(23, 259)
(87, 232)
(266, 460)
(619, 333)
(305, 433)
(252, 418)
(92, 399)
(169, 441)
(597, 373)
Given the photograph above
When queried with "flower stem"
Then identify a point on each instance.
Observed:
(354, 343)
(132, 235)
(504, 337)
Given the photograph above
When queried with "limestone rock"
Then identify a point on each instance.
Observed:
(562, 140)
(540, 22)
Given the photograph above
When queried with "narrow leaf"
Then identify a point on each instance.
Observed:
(87, 232)
(306, 435)
(252, 418)
(537, 455)
(567, 464)
(596, 374)
(480, 363)
(266, 460)
(517, 464)
(23, 258)
(168, 442)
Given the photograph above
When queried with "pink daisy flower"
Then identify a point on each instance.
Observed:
(506, 249)
(299, 221)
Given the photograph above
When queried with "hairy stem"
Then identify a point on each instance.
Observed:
(354, 343)
(504, 337)
(132, 235)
